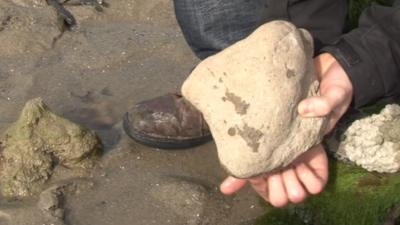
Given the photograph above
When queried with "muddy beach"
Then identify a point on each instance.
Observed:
(131, 51)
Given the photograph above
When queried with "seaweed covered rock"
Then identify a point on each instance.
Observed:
(372, 142)
(38, 141)
(249, 94)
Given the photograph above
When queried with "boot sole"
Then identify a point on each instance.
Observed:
(162, 143)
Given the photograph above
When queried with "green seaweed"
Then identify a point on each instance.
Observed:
(277, 216)
(353, 196)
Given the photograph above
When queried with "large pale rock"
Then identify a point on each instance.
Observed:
(249, 94)
(372, 142)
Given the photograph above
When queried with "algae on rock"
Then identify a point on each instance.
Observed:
(353, 196)
(38, 141)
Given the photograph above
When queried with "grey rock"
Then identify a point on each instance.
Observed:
(51, 202)
(249, 94)
(372, 142)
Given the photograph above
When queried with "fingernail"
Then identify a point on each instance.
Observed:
(306, 109)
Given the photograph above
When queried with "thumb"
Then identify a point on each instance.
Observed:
(231, 185)
(314, 107)
(323, 105)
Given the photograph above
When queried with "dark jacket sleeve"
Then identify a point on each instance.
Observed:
(370, 54)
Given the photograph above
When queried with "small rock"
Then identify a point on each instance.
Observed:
(249, 93)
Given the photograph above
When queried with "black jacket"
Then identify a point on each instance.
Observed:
(370, 54)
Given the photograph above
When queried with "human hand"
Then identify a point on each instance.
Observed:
(308, 174)
(336, 92)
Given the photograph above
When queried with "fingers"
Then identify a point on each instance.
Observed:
(294, 189)
(260, 185)
(231, 185)
(277, 192)
(280, 188)
(312, 183)
(312, 169)
(318, 162)
(284, 187)
(308, 175)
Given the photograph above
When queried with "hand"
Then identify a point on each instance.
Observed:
(308, 174)
(335, 88)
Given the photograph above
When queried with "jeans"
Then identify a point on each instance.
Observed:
(212, 25)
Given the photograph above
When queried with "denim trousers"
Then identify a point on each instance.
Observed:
(212, 25)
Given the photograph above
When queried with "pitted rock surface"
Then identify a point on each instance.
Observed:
(36, 143)
(249, 94)
(372, 142)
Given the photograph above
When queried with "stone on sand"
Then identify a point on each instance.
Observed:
(36, 143)
(51, 202)
(249, 94)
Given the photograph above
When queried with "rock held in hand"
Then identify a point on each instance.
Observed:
(249, 94)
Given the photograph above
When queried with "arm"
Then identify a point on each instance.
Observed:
(370, 54)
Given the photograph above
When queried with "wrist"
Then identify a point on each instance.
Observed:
(323, 63)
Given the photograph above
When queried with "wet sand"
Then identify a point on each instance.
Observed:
(132, 51)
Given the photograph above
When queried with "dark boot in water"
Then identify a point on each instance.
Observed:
(167, 122)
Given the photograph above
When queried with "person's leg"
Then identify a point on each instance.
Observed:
(210, 26)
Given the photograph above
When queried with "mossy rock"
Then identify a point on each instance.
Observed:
(353, 196)
(37, 142)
